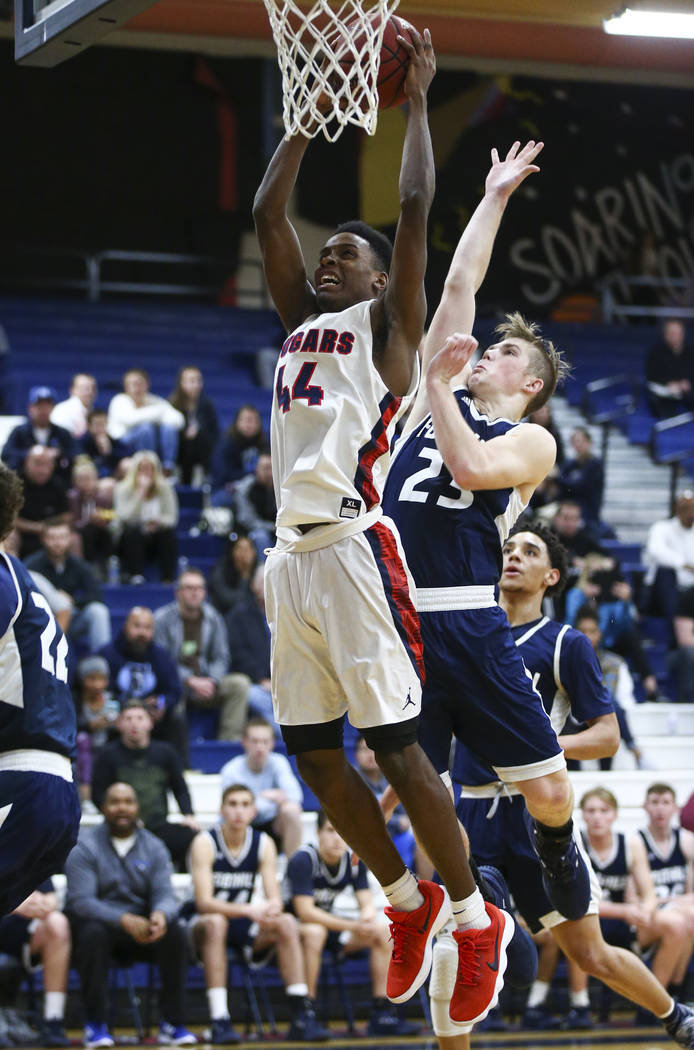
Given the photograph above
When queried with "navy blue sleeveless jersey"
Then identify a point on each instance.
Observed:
(612, 874)
(36, 707)
(233, 877)
(669, 870)
(309, 876)
(451, 537)
(566, 673)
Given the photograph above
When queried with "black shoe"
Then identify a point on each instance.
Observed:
(539, 1019)
(679, 1025)
(53, 1033)
(565, 875)
(521, 953)
(579, 1019)
(223, 1033)
(305, 1028)
(384, 1021)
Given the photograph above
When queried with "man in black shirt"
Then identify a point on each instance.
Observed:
(152, 768)
(670, 372)
(45, 499)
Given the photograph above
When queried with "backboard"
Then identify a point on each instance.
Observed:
(49, 31)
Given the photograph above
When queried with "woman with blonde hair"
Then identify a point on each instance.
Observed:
(146, 511)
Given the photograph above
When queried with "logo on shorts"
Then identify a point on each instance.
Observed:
(351, 508)
(409, 700)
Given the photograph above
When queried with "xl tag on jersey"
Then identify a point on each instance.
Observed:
(350, 507)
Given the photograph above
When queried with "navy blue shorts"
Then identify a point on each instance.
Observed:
(478, 690)
(239, 933)
(38, 831)
(618, 933)
(14, 934)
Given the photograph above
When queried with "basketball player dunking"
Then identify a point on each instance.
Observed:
(345, 634)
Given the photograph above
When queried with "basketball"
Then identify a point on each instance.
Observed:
(393, 66)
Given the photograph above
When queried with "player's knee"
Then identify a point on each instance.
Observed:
(672, 925)
(57, 927)
(593, 959)
(550, 793)
(290, 811)
(213, 926)
(287, 927)
(313, 936)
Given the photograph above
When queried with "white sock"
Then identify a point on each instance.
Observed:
(469, 913)
(579, 998)
(538, 994)
(404, 894)
(297, 989)
(669, 1010)
(218, 1003)
(54, 1006)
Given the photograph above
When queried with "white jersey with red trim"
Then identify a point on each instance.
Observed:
(333, 422)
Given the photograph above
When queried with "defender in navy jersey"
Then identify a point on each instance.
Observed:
(345, 637)
(670, 849)
(39, 806)
(564, 668)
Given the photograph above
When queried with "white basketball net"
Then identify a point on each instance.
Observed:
(329, 51)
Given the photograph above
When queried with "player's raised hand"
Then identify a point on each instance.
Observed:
(506, 175)
(451, 358)
(422, 67)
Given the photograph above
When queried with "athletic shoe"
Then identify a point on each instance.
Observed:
(521, 969)
(19, 1031)
(223, 1033)
(412, 933)
(578, 1018)
(481, 967)
(175, 1035)
(305, 1028)
(387, 1022)
(53, 1033)
(679, 1025)
(97, 1035)
(565, 875)
(539, 1019)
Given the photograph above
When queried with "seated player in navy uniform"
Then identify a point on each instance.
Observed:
(39, 805)
(317, 875)
(226, 862)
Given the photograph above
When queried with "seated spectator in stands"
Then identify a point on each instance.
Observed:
(230, 579)
(139, 669)
(602, 586)
(249, 645)
(670, 372)
(39, 431)
(75, 578)
(146, 511)
(669, 555)
(681, 659)
(72, 414)
(142, 420)
(195, 635)
(38, 934)
(121, 904)
(45, 499)
(399, 827)
(317, 875)
(255, 506)
(91, 507)
(200, 432)
(576, 536)
(109, 455)
(153, 769)
(237, 453)
(277, 792)
(97, 714)
(582, 478)
(225, 863)
(59, 603)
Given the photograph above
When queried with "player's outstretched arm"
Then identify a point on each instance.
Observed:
(283, 260)
(404, 302)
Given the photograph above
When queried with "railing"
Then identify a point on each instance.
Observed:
(94, 281)
(616, 311)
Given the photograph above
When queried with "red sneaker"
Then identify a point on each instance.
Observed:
(413, 933)
(481, 966)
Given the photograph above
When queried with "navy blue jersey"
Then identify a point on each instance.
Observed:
(669, 869)
(309, 876)
(36, 707)
(613, 873)
(234, 875)
(451, 537)
(566, 673)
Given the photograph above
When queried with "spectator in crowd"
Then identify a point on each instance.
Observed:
(146, 511)
(237, 453)
(194, 633)
(398, 824)
(582, 478)
(200, 431)
(141, 670)
(670, 850)
(576, 536)
(317, 875)
(152, 768)
(142, 420)
(255, 507)
(72, 414)
(687, 814)
(60, 604)
(109, 455)
(76, 579)
(670, 372)
(681, 659)
(39, 431)
(37, 933)
(249, 645)
(97, 714)
(45, 499)
(121, 903)
(91, 507)
(277, 792)
(230, 579)
(225, 864)
(669, 555)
